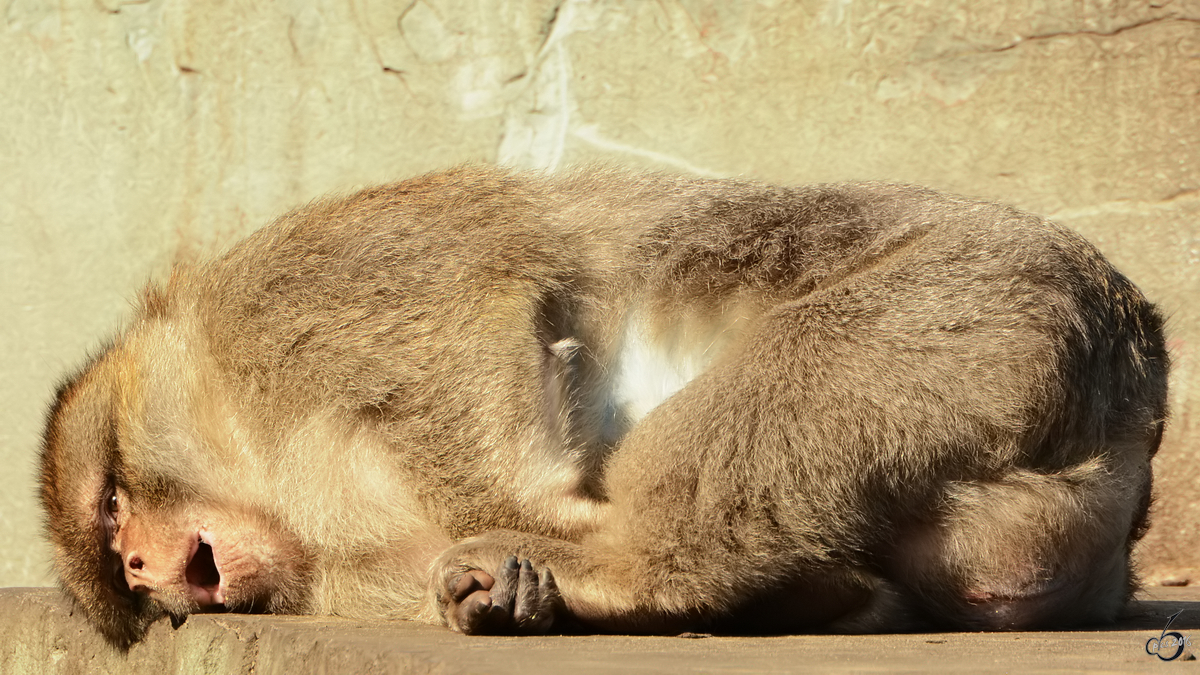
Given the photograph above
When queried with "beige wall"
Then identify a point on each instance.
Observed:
(130, 131)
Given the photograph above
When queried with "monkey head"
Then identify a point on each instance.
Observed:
(134, 535)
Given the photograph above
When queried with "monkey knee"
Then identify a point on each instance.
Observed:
(992, 615)
(1033, 598)
(1043, 606)
(966, 582)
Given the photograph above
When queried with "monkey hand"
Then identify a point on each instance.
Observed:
(516, 600)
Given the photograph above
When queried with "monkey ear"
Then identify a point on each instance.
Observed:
(156, 301)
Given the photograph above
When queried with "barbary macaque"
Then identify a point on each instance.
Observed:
(615, 402)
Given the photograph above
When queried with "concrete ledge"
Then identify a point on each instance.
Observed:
(41, 633)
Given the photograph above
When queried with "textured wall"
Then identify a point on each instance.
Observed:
(134, 131)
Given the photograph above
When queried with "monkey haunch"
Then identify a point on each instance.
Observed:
(680, 404)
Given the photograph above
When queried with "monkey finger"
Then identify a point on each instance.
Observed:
(528, 597)
(469, 582)
(471, 614)
(551, 599)
(540, 605)
(508, 579)
(497, 621)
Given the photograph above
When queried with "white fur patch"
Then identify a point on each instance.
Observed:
(652, 366)
(649, 372)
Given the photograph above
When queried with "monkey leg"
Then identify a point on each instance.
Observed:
(1029, 551)
(859, 444)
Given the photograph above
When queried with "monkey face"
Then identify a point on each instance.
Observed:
(167, 554)
(131, 545)
(79, 457)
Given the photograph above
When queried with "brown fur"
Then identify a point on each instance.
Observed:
(893, 407)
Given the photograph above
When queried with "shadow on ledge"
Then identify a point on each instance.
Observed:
(44, 634)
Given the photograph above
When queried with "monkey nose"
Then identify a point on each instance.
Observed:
(135, 573)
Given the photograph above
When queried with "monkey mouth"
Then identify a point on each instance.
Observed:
(202, 574)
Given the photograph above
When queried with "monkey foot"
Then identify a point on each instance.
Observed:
(516, 600)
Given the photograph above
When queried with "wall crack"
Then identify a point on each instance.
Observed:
(1095, 33)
